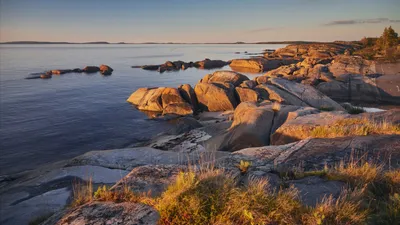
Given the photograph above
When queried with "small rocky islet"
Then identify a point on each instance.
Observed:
(103, 69)
(274, 121)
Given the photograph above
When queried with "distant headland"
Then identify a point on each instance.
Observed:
(105, 42)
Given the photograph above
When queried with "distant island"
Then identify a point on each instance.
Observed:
(51, 42)
(105, 42)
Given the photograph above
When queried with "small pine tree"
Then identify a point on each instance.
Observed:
(388, 39)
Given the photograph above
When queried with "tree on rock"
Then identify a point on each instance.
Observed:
(388, 39)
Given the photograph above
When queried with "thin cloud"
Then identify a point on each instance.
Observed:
(263, 29)
(365, 21)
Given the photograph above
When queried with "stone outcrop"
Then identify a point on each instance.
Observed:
(151, 100)
(215, 96)
(260, 64)
(251, 127)
(225, 77)
(307, 94)
(313, 50)
(351, 65)
(173, 103)
(152, 179)
(301, 126)
(273, 93)
(249, 84)
(165, 100)
(187, 93)
(246, 94)
(224, 90)
(111, 213)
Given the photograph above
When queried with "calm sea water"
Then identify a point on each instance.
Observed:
(43, 121)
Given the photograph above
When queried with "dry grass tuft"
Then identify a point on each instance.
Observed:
(343, 210)
(354, 127)
(355, 173)
(82, 192)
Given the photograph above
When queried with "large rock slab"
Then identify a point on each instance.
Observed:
(314, 50)
(187, 93)
(173, 103)
(32, 208)
(316, 153)
(355, 88)
(279, 95)
(313, 189)
(301, 127)
(129, 158)
(246, 94)
(351, 64)
(215, 97)
(111, 213)
(148, 99)
(260, 64)
(251, 127)
(307, 94)
(152, 179)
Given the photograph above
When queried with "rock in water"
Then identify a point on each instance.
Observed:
(173, 103)
(215, 97)
(91, 69)
(210, 64)
(59, 72)
(105, 70)
(46, 75)
(138, 95)
(187, 93)
(151, 101)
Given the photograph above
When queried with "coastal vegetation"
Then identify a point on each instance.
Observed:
(385, 47)
(354, 127)
(214, 196)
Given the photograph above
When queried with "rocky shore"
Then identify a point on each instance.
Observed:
(292, 117)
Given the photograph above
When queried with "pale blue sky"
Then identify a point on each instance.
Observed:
(194, 20)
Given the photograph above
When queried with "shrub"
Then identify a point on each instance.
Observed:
(244, 166)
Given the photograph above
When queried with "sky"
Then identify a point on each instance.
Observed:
(191, 21)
